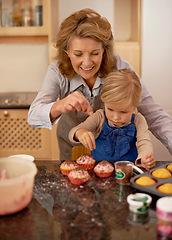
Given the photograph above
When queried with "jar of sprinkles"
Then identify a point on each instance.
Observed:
(164, 217)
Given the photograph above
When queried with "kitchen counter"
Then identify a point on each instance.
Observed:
(59, 210)
(16, 100)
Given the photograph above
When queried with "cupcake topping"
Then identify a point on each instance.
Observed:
(104, 166)
(85, 159)
(79, 172)
(69, 164)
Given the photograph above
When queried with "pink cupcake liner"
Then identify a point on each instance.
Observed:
(103, 175)
(78, 181)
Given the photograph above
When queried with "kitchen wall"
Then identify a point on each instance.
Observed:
(157, 50)
(100, 6)
(23, 66)
(157, 58)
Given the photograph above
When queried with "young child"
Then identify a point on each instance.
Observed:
(119, 132)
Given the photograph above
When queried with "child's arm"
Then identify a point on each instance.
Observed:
(86, 138)
(93, 123)
(144, 145)
(148, 162)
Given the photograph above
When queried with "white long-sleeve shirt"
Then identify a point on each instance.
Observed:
(56, 86)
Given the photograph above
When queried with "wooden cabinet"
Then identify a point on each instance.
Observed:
(127, 31)
(12, 27)
(30, 34)
(17, 137)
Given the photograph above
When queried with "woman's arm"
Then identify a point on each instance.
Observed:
(73, 102)
(39, 111)
(46, 109)
(159, 122)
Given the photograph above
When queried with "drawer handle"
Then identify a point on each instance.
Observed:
(6, 114)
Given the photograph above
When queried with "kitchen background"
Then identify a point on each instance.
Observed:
(23, 65)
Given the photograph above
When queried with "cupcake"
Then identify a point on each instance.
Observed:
(86, 161)
(169, 167)
(165, 188)
(145, 181)
(68, 166)
(79, 176)
(161, 173)
(104, 169)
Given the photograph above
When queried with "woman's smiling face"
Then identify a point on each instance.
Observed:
(86, 57)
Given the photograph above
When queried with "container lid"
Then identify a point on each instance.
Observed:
(138, 199)
(165, 204)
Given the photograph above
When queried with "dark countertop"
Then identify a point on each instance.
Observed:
(59, 210)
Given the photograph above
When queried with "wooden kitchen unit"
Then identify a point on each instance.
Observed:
(17, 137)
(127, 31)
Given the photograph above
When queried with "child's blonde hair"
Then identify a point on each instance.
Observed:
(122, 87)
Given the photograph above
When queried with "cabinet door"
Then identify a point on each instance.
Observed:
(17, 137)
(24, 18)
(127, 31)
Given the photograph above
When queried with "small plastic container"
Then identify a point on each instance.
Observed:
(16, 184)
(164, 217)
(138, 205)
(123, 171)
(139, 202)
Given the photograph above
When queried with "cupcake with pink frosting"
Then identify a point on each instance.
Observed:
(86, 161)
(104, 169)
(68, 166)
(79, 176)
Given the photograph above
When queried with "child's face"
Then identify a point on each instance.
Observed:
(118, 115)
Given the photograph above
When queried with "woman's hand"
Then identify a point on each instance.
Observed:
(86, 138)
(148, 162)
(73, 102)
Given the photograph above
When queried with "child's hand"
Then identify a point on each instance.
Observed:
(148, 162)
(86, 138)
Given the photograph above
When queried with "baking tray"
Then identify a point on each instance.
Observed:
(152, 189)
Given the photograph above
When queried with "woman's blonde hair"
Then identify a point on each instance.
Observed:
(122, 87)
(85, 23)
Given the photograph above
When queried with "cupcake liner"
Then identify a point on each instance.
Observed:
(103, 175)
(78, 181)
(65, 172)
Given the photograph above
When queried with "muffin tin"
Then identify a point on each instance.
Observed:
(152, 189)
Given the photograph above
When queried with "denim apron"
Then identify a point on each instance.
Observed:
(72, 119)
(116, 143)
